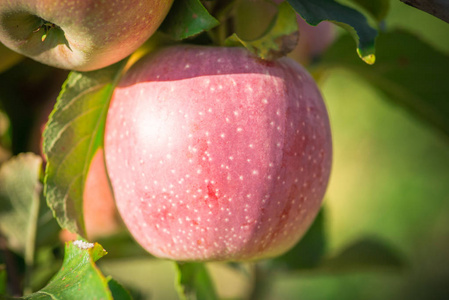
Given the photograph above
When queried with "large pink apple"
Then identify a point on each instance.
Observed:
(214, 154)
(80, 35)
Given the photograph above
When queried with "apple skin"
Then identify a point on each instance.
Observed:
(214, 154)
(90, 34)
(100, 213)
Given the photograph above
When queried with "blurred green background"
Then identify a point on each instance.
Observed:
(390, 181)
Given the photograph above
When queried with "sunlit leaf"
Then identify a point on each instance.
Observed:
(48, 260)
(75, 131)
(79, 277)
(193, 282)
(280, 39)
(187, 18)
(315, 11)
(409, 71)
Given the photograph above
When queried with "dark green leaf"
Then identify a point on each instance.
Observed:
(79, 277)
(117, 290)
(187, 18)
(363, 255)
(409, 71)
(20, 201)
(280, 39)
(75, 131)
(377, 8)
(310, 250)
(315, 11)
(193, 282)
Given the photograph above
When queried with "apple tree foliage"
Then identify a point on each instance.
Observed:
(33, 263)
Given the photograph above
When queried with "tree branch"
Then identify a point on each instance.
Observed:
(438, 8)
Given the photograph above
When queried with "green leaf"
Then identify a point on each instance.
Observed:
(280, 38)
(409, 71)
(193, 282)
(315, 11)
(363, 255)
(187, 18)
(19, 200)
(376, 8)
(25, 218)
(117, 290)
(74, 132)
(48, 260)
(79, 277)
(310, 250)
(8, 58)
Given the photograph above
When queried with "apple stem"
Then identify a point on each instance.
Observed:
(46, 26)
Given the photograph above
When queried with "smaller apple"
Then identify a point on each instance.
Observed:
(79, 35)
(100, 213)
